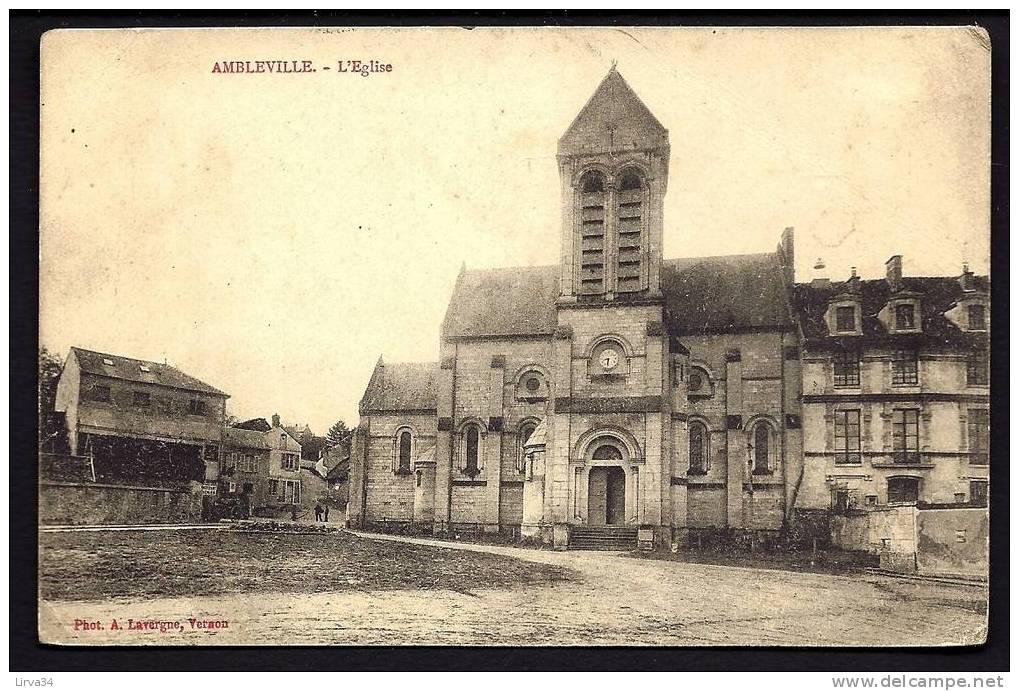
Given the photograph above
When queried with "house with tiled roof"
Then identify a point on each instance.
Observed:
(895, 390)
(620, 395)
(140, 420)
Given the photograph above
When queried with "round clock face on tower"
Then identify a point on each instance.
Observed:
(608, 359)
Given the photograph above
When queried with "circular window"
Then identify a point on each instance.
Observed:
(695, 382)
(532, 384)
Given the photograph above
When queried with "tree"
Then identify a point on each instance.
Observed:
(338, 434)
(52, 434)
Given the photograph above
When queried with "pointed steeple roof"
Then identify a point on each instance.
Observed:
(614, 120)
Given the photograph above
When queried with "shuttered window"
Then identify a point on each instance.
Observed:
(592, 233)
(629, 231)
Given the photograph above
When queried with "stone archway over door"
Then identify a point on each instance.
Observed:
(606, 496)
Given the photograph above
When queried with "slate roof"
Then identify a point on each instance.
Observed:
(518, 301)
(742, 291)
(702, 294)
(400, 386)
(130, 369)
(937, 295)
(258, 424)
(614, 103)
(244, 438)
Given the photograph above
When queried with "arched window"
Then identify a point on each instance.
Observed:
(471, 460)
(592, 232)
(405, 451)
(763, 454)
(523, 434)
(402, 449)
(698, 448)
(629, 227)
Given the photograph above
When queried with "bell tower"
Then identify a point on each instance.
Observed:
(613, 168)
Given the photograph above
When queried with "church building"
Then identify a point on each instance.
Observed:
(617, 390)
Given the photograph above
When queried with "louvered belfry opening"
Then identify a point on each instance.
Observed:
(629, 225)
(592, 233)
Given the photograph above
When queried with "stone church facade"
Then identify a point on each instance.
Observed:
(616, 389)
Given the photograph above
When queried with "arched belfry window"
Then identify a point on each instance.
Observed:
(592, 232)
(629, 230)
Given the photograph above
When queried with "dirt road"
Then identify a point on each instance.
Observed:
(618, 600)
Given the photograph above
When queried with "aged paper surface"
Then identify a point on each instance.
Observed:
(523, 336)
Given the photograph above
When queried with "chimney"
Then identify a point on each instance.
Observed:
(819, 281)
(853, 284)
(893, 272)
(275, 420)
(788, 256)
(966, 280)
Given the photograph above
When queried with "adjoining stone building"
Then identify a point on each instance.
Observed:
(667, 391)
(896, 390)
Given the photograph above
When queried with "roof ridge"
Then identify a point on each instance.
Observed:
(722, 256)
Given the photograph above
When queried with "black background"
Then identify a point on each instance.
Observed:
(27, 654)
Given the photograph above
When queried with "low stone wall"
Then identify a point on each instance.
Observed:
(84, 503)
(952, 542)
(937, 542)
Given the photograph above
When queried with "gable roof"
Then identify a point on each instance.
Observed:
(613, 119)
(400, 386)
(518, 301)
(244, 438)
(130, 369)
(733, 292)
(258, 424)
(937, 294)
(702, 294)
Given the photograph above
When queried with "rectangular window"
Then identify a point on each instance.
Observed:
(846, 365)
(101, 392)
(977, 317)
(903, 490)
(142, 399)
(196, 407)
(976, 369)
(904, 367)
(978, 492)
(978, 427)
(847, 436)
(289, 461)
(906, 436)
(845, 319)
(905, 316)
(247, 463)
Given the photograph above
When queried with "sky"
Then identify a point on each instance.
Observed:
(275, 234)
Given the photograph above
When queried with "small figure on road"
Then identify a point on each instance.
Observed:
(327, 513)
(318, 512)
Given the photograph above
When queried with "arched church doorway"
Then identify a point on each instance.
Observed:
(606, 490)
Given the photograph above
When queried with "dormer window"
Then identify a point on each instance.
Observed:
(977, 317)
(845, 318)
(905, 316)
(144, 368)
(108, 362)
